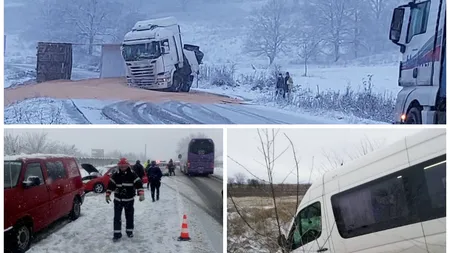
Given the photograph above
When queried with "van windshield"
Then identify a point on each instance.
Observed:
(141, 51)
(12, 173)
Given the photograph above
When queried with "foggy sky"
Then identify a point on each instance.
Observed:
(243, 147)
(160, 142)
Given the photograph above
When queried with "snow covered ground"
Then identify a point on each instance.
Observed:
(157, 225)
(259, 213)
(85, 111)
(218, 172)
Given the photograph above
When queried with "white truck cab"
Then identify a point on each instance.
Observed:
(391, 200)
(156, 58)
(418, 28)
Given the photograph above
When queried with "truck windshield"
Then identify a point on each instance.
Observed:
(141, 51)
(12, 173)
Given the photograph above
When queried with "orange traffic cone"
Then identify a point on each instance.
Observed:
(184, 230)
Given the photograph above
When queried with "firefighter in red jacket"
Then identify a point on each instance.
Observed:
(124, 184)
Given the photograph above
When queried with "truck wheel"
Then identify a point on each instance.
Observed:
(76, 209)
(99, 188)
(414, 116)
(22, 238)
(186, 87)
(176, 85)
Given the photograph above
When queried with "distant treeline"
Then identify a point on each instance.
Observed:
(264, 190)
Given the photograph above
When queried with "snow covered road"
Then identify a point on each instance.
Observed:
(91, 111)
(157, 225)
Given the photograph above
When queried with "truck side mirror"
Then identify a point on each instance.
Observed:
(397, 25)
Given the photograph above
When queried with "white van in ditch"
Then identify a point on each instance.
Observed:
(392, 200)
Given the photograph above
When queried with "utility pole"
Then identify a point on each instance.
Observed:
(145, 152)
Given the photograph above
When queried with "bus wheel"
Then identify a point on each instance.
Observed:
(414, 116)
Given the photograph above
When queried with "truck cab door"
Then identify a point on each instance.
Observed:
(168, 58)
(420, 41)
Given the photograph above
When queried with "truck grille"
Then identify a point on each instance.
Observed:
(142, 75)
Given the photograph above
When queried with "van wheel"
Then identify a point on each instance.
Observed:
(76, 209)
(22, 235)
(414, 116)
(99, 188)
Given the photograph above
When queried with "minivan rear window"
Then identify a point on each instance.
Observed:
(12, 173)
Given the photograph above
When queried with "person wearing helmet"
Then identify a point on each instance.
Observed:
(171, 168)
(154, 175)
(124, 184)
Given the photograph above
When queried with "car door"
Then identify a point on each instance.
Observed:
(56, 181)
(36, 199)
(306, 234)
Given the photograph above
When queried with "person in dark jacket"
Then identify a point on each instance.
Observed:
(124, 184)
(154, 175)
(171, 168)
(139, 169)
(280, 86)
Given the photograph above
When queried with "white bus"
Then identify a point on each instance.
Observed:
(392, 200)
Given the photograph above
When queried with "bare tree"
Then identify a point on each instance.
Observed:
(36, 142)
(13, 144)
(240, 178)
(307, 41)
(268, 233)
(329, 17)
(269, 30)
(93, 19)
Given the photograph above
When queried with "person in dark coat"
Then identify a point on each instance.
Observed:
(154, 175)
(124, 184)
(139, 169)
(171, 168)
(280, 85)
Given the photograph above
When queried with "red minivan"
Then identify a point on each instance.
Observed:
(39, 189)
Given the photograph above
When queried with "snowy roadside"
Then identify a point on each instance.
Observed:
(218, 173)
(157, 227)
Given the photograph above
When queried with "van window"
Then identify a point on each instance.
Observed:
(11, 173)
(435, 176)
(34, 170)
(56, 170)
(398, 199)
(307, 226)
(73, 168)
(419, 20)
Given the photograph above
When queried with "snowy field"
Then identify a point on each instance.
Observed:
(157, 225)
(259, 213)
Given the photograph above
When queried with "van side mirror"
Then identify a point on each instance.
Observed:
(32, 181)
(397, 24)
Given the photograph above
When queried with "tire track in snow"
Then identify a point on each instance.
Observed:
(243, 111)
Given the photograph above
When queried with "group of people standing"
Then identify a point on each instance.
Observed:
(285, 85)
(125, 183)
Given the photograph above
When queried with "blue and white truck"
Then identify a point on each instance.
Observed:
(418, 28)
